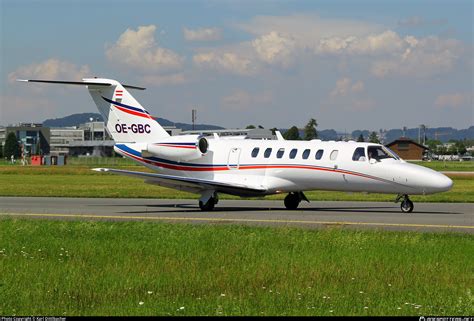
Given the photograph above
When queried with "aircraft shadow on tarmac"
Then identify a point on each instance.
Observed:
(190, 208)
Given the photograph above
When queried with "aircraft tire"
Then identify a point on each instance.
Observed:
(292, 201)
(407, 206)
(209, 206)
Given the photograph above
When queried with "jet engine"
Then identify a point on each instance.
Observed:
(185, 147)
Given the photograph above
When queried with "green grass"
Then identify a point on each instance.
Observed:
(108, 268)
(81, 181)
(467, 166)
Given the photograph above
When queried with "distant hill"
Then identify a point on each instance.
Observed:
(72, 120)
(78, 119)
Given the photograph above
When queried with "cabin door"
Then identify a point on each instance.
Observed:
(234, 158)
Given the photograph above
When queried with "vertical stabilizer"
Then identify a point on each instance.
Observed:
(126, 120)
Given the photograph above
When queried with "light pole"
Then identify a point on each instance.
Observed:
(193, 116)
(92, 131)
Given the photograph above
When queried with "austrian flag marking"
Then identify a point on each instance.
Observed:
(118, 93)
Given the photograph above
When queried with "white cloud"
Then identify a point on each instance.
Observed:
(409, 56)
(240, 99)
(346, 86)
(225, 62)
(52, 69)
(275, 47)
(387, 42)
(420, 58)
(307, 28)
(350, 96)
(139, 49)
(362, 105)
(202, 34)
(161, 80)
(455, 100)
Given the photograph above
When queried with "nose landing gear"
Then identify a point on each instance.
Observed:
(407, 205)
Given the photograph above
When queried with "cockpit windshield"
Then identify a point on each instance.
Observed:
(391, 152)
(380, 152)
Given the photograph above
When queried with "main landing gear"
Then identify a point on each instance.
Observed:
(207, 204)
(407, 205)
(293, 199)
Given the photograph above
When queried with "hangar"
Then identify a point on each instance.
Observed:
(407, 148)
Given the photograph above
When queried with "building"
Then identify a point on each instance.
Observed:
(62, 137)
(172, 130)
(33, 138)
(407, 148)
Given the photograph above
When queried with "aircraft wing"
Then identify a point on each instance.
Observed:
(190, 184)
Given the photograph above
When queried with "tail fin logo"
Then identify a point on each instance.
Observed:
(128, 109)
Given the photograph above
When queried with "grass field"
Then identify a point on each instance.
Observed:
(137, 268)
(81, 181)
(448, 166)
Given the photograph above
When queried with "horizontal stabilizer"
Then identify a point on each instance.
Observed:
(79, 83)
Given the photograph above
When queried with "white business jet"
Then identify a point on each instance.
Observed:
(249, 167)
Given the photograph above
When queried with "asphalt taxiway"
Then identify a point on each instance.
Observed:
(382, 215)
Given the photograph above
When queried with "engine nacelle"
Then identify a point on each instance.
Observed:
(185, 147)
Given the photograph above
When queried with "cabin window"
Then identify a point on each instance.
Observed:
(293, 153)
(280, 153)
(255, 152)
(306, 153)
(359, 155)
(333, 155)
(267, 153)
(319, 154)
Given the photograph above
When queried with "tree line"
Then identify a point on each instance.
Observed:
(12, 147)
(310, 132)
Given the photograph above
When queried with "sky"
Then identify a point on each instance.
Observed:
(349, 64)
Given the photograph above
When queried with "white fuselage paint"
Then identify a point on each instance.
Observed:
(230, 160)
(228, 163)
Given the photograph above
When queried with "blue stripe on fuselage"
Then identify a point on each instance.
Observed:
(124, 106)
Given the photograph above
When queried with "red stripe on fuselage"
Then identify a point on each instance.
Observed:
(177, 146)
(242, 167)
(133, 112)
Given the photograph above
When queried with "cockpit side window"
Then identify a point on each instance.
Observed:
(359, 155)
(379, 152)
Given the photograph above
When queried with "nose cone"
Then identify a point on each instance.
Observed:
(442, 183)
(425, 180)
(435, 182)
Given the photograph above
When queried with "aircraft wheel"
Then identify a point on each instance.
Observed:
(407, 206)
(209, 206)
(292, 201)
